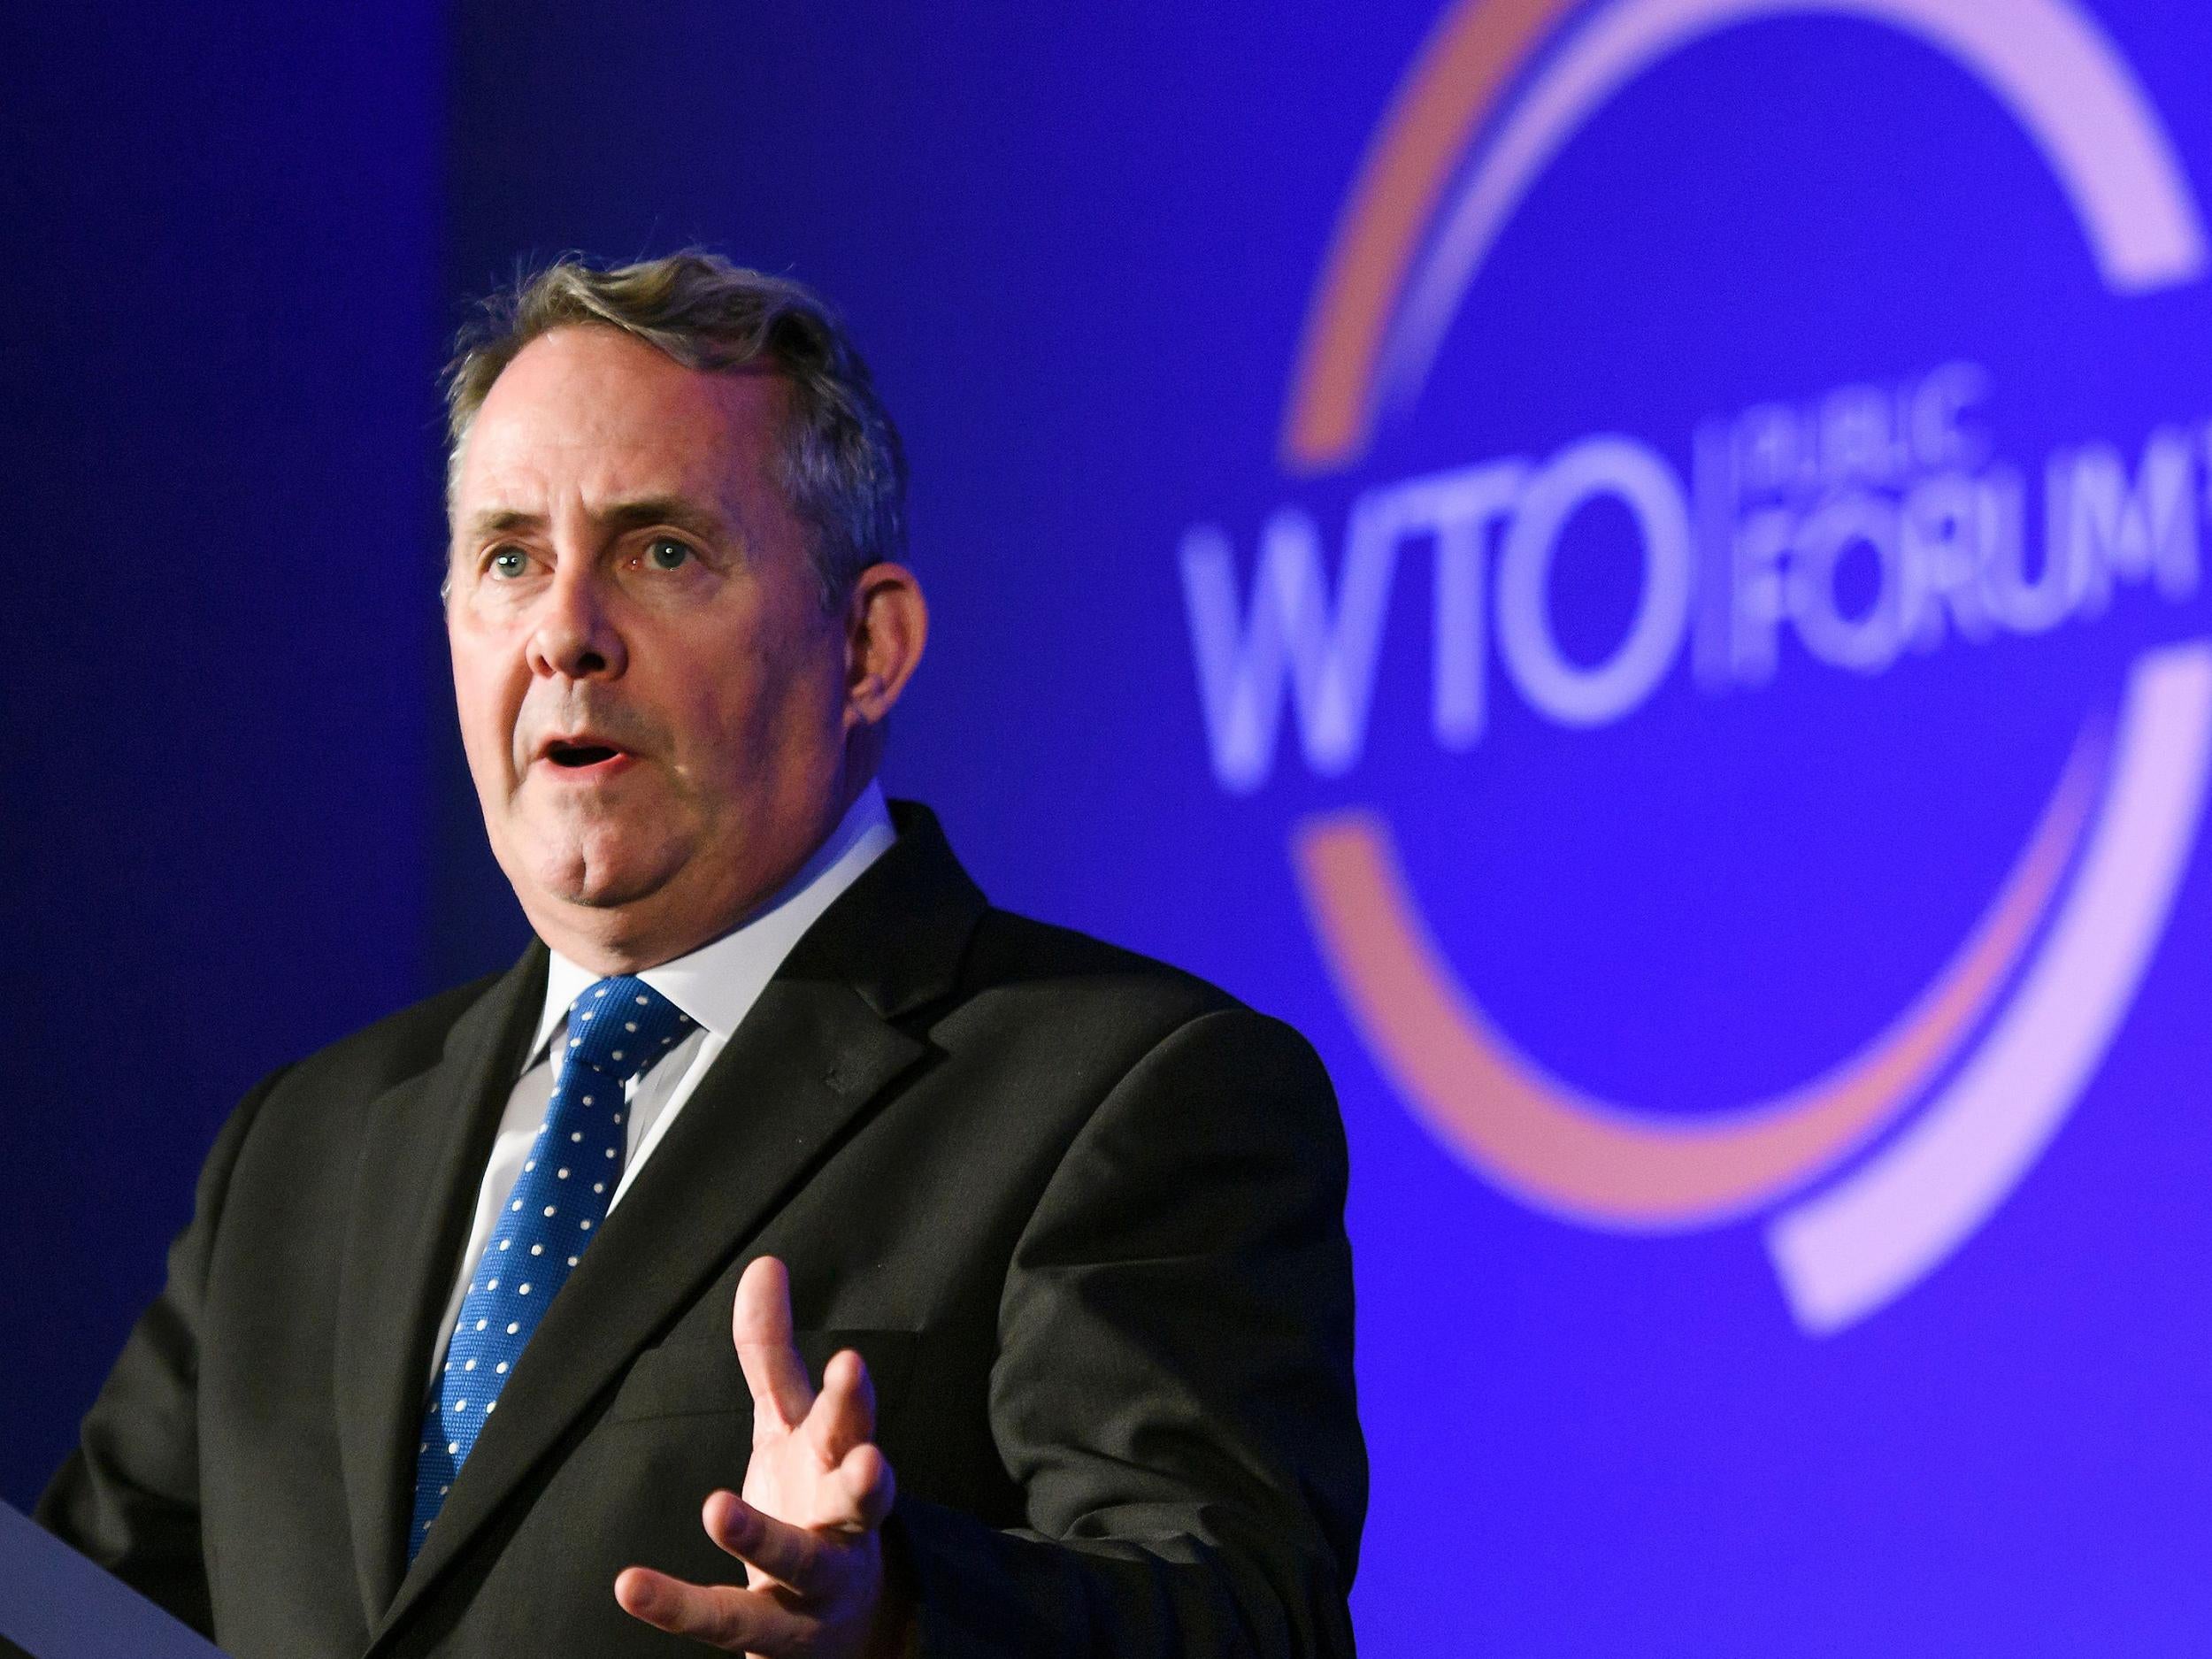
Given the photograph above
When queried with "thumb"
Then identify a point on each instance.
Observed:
(760, 1325)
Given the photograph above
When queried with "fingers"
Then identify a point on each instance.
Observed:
(791, 1555)
(866, 1476)
(760, 1324)
(805, 1557)
(845, 1414)
(720, 1615)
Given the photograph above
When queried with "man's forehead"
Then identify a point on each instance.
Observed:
(592, 416)
(500, 486)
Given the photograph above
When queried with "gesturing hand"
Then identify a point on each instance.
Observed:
(816, 1490)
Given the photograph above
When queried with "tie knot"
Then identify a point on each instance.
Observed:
(622, 1025)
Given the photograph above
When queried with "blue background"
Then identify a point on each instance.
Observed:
(1079, 249)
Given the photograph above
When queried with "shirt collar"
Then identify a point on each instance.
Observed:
(719, 983)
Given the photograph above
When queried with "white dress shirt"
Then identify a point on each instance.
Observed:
(717, 985)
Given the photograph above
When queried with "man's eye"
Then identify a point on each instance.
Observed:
(665, 553)
(509, 562)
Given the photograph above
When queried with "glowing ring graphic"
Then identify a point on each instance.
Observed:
(1610, 1166)
(2123, 816)
(1374, 318)
(1603, 1164)
(1850, 1249)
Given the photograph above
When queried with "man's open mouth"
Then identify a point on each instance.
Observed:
(578, 755)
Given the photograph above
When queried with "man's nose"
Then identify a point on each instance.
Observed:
(576, 636)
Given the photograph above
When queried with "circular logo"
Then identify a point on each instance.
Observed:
(1868, 525)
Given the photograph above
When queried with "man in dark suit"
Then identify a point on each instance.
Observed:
(1058, 1229)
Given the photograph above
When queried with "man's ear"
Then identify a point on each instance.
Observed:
(886, 624)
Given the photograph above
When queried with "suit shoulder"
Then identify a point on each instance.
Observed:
(396, 1047)
(1089, 1027)
(1015, 955)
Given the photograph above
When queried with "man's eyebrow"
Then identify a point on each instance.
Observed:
(622, 518)
(499, 521)
(672, 511)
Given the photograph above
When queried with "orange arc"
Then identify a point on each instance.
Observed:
(1600, 1164)
(1474, 51)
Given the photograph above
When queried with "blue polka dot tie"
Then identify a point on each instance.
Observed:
(616, 1031)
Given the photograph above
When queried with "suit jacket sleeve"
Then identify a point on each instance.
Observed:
(129, 1496)
(1173, 1388)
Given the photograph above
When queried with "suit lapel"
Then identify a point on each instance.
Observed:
(424, 1146)
(818, 1048)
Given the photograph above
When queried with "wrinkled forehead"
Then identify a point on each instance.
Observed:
(585, 418)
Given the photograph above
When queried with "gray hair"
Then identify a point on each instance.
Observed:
(844, 471)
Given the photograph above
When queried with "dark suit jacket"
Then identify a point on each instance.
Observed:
(1082, 1214)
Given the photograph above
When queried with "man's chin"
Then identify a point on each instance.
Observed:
(602, 897)
(601, 878)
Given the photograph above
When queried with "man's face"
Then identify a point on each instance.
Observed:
(653, 700)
